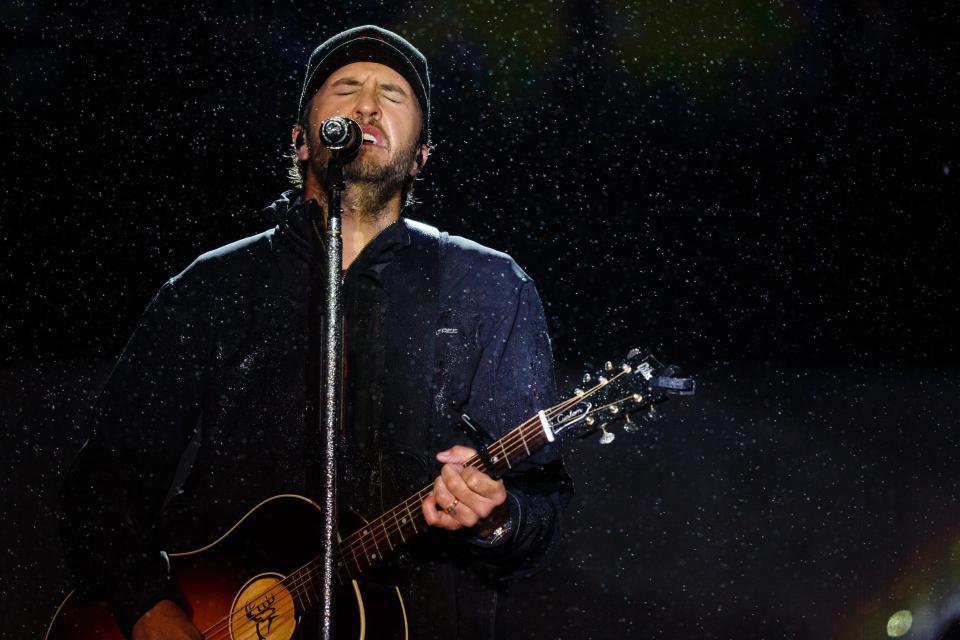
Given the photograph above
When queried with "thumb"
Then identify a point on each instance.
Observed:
(456, 455)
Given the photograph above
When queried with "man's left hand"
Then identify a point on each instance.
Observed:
(464, 497)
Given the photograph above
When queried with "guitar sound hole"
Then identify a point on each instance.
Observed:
(264, 609)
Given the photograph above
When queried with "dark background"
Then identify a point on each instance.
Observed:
(763, 192)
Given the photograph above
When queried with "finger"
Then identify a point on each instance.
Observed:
(444, 499)
(480, 483)
(436, 517)
(474, 488)
(456, 454)
(468, 505)
(441, 494)
(429, 509)
(453, 505)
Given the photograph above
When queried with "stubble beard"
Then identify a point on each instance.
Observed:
(370, 185)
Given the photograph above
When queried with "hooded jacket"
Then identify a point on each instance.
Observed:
(436, 326)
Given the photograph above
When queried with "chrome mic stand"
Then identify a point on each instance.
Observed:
(343, 138)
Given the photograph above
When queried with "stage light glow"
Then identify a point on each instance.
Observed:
(899, 623)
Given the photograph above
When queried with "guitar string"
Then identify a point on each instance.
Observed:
(304, 575)
(303, 582)
(304, 579)
(384, 533)
(529, 432)
(301, 585)
(352, 551)
(517, 442)
(382, 527)
(512, 444)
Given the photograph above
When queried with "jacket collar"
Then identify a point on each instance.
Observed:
(298, 228)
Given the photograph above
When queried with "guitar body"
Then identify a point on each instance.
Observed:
(235, 591)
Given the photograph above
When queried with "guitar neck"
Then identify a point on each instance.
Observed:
(615, 393)
(380, 537)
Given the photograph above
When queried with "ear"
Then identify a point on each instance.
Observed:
(298, 135)
(419, 160)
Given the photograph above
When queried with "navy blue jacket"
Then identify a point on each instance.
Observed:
(219, 358)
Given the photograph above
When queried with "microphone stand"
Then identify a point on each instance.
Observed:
(331, 390)
(343, 138)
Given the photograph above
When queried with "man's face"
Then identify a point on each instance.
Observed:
(383, 103)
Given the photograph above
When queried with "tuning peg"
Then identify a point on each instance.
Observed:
(652, 415)
(607, 436)
(629, 426)
(587, 378)
(608, 365)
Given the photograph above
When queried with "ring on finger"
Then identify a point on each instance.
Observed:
(452, 509)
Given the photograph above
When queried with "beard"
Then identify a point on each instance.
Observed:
(370, 184)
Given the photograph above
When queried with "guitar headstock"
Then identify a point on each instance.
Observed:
(619, 392)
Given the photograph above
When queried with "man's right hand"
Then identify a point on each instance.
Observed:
(165, 621)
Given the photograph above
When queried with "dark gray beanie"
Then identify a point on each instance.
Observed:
(369, 43)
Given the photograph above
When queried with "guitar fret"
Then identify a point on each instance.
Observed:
(367, 532)
(524, 440)
(399, 526)
(361, 553)
(506, 458)
(386, 534)
(363, 545)
(356, 561)
(410, 516)
(537, 437)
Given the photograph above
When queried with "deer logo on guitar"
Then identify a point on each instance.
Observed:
(262, 612)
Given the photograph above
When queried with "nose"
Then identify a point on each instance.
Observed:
(367, 106)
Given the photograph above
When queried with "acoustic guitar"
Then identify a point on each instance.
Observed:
(248, 584)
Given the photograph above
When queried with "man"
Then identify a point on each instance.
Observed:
(435, 326)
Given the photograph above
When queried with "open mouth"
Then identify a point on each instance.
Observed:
(369, 138)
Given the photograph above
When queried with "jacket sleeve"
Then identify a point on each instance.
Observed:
(514, 380)
(141, 423)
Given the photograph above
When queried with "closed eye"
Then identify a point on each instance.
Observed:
(395, 100)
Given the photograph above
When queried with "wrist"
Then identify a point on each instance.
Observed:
(500, 526)
(494, 521)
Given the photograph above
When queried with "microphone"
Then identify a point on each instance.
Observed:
(342, 136)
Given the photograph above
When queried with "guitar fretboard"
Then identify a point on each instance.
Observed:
(383, 535)
(380, 537)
